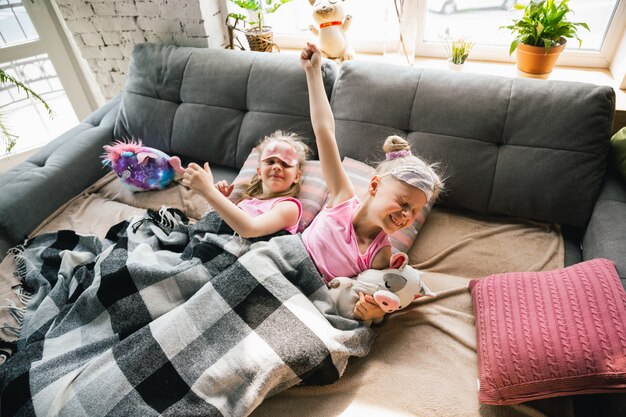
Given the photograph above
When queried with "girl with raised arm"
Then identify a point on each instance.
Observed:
(350, 235)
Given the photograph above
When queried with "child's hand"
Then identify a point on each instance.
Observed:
(366, 308)
(197, 178)
(224, 188)
(310, 57)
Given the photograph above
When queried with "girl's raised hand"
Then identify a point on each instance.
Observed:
(224, 188)
(310, 57)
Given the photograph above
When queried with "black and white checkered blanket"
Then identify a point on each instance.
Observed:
(166, 318)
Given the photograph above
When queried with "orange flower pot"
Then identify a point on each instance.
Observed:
(534, 60)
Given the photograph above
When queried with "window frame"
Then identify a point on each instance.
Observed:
(569, 57)
(53, 42)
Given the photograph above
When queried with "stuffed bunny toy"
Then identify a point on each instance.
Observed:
(332, 25)
(393, 289)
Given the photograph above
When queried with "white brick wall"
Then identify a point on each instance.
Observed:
(106, 31)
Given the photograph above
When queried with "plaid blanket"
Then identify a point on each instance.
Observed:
(167, 318)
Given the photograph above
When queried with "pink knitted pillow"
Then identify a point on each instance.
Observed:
(313, 191)
(552, 333)
(360, 174)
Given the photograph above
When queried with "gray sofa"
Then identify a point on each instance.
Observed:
(518, 147)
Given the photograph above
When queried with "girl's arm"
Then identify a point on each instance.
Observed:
(281, 216)
(339, 185)
(366, 308)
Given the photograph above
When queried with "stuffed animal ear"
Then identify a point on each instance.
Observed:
(398, 260)
(312, 2)
(142, 156)
(176, 164)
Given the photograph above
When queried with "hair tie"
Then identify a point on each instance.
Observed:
(397, 154)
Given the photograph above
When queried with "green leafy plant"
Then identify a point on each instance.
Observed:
(459, 49)
(259, 8)
(9, 138)
(544, 23)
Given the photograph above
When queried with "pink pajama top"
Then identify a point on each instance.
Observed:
(331, 242)
(255, 207)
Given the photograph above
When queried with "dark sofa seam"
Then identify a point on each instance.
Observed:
(493, 178)
(178, 102)
(413, 102)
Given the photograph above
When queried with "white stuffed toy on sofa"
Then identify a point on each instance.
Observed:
(393, 289)
(332, 27)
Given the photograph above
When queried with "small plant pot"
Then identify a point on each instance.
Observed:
(534, 59)
(455, 67)
(261, 41)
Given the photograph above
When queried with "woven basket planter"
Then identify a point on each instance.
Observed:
(261, 41)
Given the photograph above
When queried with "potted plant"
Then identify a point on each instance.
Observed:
(260, 36)
(459, 49)
(541, 34)
(8, 138)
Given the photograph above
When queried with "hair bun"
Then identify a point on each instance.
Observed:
(396, 143)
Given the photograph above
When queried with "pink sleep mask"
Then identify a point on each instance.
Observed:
(282, 151)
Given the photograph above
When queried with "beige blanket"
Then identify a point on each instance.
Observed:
(423, 362)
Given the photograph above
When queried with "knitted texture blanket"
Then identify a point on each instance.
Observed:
(167, 318)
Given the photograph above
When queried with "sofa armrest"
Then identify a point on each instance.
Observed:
(62, 169)
(605, 236)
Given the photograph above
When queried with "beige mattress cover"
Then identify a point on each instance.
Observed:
(423, 362)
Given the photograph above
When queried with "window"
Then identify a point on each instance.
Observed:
(481, 20)
(374, 23)
(32, 51)
(28, 118)
(15, 25)
(369, 27)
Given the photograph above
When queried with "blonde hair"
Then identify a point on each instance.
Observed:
(398, 144)
(255, 188)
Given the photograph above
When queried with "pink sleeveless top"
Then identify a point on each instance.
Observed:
(331, 242)
(255, 207)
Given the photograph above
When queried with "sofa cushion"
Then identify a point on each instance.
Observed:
(551, 333)
(212, 104)
(522, 147)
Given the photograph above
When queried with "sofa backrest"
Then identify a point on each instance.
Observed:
(214, 105)
(521, 147)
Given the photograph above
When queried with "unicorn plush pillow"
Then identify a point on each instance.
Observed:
(139, 167)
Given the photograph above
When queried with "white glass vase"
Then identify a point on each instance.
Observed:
(401, 30)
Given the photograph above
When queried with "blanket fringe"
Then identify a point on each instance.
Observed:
(164, 218)
(167, 218)
(23, 296)
(20, 262)
(16, 312)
